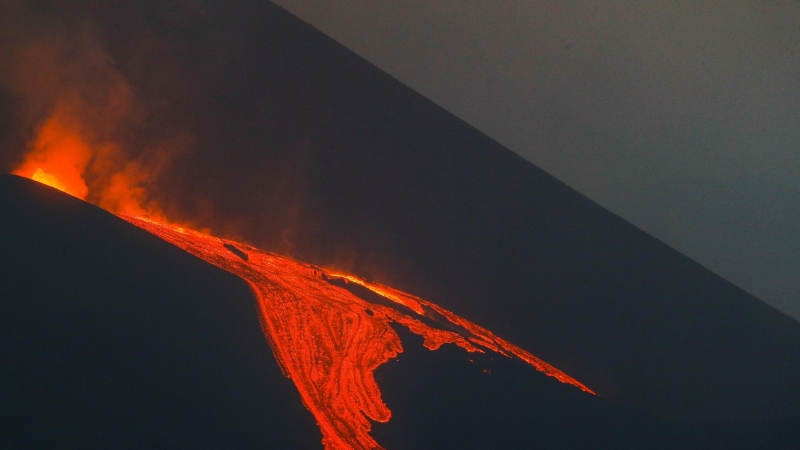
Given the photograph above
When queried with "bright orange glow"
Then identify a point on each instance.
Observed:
(62, 156)
(59, 156)
(45, 178)
(330, 341)
(124, 194)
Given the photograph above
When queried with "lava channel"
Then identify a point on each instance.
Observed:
(328, 340)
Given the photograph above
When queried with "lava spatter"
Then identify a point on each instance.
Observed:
(328, 340)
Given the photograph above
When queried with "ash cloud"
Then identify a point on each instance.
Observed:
(197, 113)
(170, 120)
(76, 111)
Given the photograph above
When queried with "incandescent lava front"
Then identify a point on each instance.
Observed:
(328, 340)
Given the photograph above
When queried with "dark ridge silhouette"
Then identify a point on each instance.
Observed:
(112, 337)
(341, 165)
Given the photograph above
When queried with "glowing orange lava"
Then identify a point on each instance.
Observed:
(59, 156)
(45, 178)
(328, 340)
(63, 155)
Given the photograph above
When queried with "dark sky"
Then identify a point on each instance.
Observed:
(681, 117)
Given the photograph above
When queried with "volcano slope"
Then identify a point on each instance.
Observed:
(302, 145)
(312, 149)
(112, 337)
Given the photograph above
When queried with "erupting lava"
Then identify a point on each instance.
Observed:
(325, 337)
(45, 178)
(59, 157)
(328, 340)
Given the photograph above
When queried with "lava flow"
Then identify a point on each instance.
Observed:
(328, 340)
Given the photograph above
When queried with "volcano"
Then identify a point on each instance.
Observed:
(119, 332)
(328, 340)
(113, 335)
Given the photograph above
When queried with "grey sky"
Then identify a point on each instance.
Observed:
(683, 117)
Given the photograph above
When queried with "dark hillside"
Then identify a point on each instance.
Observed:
(316, 152)
(113, 338)
(303, 148)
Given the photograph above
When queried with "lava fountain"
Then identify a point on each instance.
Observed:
(328, 340)
(59, 156)
(325, 338)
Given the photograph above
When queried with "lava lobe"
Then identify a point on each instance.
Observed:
(328, 340)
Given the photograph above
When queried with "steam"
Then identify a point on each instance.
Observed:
(59, 156)
(108, 97)
(79, 111)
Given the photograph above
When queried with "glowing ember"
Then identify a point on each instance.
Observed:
(59, 156)
(45, 178)
(330, 341)
(63, 156)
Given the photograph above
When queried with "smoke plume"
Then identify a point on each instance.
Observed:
(78, 112)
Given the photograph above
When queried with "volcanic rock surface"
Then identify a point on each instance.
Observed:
(302, 147)
(328, 340)
(342, 165)
(111, 335)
